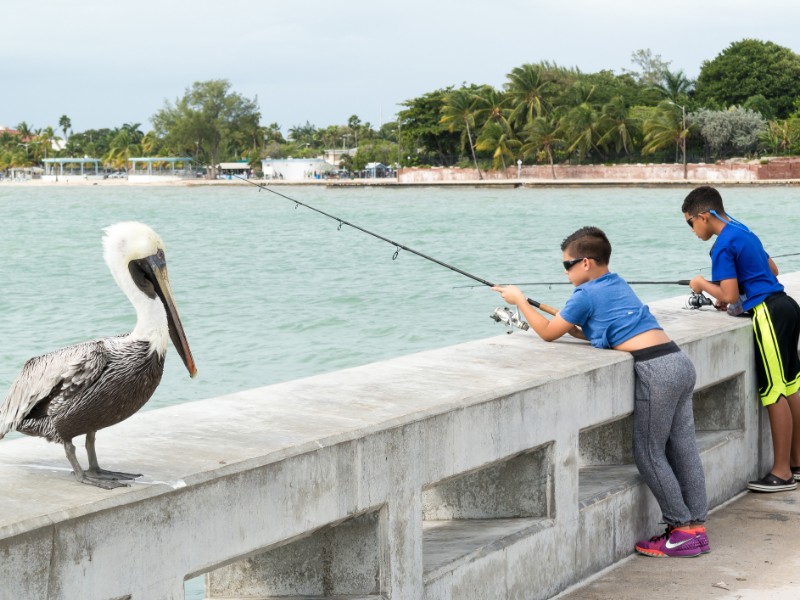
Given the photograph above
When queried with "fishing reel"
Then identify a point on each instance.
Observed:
(696, 301)
(510, 318)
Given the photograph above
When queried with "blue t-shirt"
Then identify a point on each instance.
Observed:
(738, 254)
(608, 311)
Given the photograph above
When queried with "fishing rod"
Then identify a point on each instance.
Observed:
(678, 282)
(500, 315)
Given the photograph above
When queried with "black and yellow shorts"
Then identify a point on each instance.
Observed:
(776, 324)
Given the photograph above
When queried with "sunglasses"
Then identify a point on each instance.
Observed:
(692, 218)
(568, 264)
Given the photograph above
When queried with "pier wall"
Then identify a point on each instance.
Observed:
(500, 468)
(723, 172)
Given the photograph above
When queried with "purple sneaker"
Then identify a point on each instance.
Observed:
(673, 542)
(702, 538)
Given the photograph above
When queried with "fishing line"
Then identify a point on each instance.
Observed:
(397, 245)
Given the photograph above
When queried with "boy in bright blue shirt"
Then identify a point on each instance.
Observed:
(604, 310)
(744, 270)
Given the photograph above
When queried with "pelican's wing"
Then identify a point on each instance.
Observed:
(55, 377)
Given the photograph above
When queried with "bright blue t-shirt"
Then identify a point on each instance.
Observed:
(738, 254)
(608, 311)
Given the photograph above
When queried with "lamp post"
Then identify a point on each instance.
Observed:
(683, 134)
(519, 168)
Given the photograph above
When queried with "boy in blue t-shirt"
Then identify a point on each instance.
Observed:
(744, 270)
(604, 310)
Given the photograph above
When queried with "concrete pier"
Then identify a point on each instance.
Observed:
(499, 468)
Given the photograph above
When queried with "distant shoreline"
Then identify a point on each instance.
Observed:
(393, 183)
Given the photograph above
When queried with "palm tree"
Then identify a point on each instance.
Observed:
(616, 126)
(134, 132)
(492, 106)
(526, 89)
(303, 134)
(44, 139)
(580, 126)
(542, 135)
(664, 128)
(458, 113)
(24, 130)
(675, 86)
(781, 135)
(149, 143)
(65, 123)
(121, 148)
(498, 139)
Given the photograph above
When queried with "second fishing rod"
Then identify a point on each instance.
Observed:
(500, 315)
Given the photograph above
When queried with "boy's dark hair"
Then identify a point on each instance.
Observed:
(588, 242)
(702, 199)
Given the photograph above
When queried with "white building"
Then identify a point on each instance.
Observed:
(295, 169)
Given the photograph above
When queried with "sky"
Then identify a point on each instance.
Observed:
(104, 63)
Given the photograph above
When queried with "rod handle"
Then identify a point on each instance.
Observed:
(543, 307)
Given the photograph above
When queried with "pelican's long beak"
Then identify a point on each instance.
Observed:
(158, 268)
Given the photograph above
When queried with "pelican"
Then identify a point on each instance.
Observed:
(81, 389)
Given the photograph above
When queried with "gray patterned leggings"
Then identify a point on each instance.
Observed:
(664, 444)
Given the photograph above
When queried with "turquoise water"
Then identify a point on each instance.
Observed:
(269, 293)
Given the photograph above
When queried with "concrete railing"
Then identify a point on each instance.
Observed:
(499, 468)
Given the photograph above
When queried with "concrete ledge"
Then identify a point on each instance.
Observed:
(474, 471)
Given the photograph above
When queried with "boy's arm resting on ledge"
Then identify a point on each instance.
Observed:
(726, 292)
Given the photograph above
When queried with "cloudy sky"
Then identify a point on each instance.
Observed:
(108, 62)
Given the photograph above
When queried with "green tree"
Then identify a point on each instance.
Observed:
(304, 135)
(616, 129)
(209, 117)
(135, 134)
(422, 138)
(675, 86)
(760, 105)
(492, 106)
(65, 123)
(458, 113)
(663, 128)
(781, 136)
(44, 140)
(122, 147)
(272, 133)
(527, 88)
(496, 137)
(542, 137)
(378, 151)
(580, 126)
(749, 68)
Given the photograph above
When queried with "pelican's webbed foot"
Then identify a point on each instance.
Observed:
(94, 475)
(98, 473)
(106, 484)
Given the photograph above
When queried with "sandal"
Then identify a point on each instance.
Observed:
(772, 483)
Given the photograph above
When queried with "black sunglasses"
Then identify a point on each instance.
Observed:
(568, 264)
(692, 218)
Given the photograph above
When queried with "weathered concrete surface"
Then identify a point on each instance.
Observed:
(237, 481)
(755, 555)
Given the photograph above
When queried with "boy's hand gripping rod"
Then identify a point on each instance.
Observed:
(543, 307)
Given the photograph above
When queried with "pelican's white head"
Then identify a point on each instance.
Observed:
(135, 255)
(127, 241)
